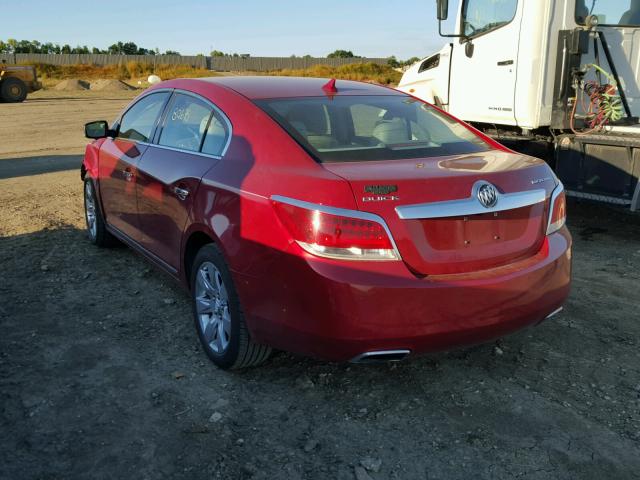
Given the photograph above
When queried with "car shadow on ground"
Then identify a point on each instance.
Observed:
(36, 165)
(101, 371)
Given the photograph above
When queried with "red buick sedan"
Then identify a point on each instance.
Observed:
(337, 219)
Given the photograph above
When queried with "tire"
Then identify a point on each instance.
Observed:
(96, 227)
(218, 315)
(13, 90)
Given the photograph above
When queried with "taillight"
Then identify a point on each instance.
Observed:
(557, 210)
(335, 233)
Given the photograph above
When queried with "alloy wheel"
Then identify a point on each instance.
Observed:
(212, 307)
(90, 210)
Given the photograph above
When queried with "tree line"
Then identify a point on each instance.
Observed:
(12, 45)
(33, 46)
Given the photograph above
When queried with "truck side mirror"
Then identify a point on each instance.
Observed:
(443, 9)
(469, 49)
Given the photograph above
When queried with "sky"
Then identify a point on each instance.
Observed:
(373, 28)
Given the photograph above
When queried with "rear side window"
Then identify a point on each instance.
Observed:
(185, 123)
(139, 121)
(364, 128)
(216, 136)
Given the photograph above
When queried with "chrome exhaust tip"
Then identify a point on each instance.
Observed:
(381, 356)
(554, 313)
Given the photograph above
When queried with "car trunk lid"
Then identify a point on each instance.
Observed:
(435, 217)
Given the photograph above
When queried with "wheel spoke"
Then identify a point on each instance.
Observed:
(222, 289)
(226, 321)
(210, 330)
(222, 338)
(205, 281)
(218, 280)
(204, 305)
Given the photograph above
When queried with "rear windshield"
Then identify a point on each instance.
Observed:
(366, 128)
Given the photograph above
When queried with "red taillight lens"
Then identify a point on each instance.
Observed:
(557, 210)
(336, 236)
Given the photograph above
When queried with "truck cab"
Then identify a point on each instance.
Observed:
(516, 68)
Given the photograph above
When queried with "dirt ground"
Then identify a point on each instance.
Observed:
(102, 377)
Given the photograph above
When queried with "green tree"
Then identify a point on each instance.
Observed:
(116, 49)
(217, 53)
(393, 62)
(13, 43)
(66, 48)
(129, 48)
(342, 54)
(411, 61)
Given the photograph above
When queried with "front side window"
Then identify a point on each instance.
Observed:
(139, 121)
(366, 128)
(609, 12)
(481, 16)
(185, 123)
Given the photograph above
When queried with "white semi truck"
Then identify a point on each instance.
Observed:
(555, 78)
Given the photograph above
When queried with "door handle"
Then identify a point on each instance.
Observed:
(128, 174)
(181, 193)
(504, 63)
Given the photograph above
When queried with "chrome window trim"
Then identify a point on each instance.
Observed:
(182, 150)
(471, 205)
(554, 196)
(162, 117)
(343, 212)
(215, 108)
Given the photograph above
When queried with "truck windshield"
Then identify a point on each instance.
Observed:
(609, 12)
(364, 128)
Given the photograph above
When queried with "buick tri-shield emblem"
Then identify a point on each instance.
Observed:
(488, 195)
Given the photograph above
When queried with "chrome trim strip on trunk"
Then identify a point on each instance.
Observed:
(471, 205)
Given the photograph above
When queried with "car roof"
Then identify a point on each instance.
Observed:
(260, 87)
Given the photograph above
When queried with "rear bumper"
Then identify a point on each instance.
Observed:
(337, 311)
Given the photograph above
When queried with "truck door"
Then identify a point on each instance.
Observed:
(483, 74)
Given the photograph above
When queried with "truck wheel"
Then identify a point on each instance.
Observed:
(13, 90)
(218, 315)
(96, 229)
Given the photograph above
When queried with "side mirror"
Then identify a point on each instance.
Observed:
(443, 9)
(469, 49)
(97, 129)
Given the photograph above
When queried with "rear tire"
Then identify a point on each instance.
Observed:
(13, 90)
(218, 315)
(96, 227)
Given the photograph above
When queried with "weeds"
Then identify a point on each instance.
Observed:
(368, 72)
(122, 71)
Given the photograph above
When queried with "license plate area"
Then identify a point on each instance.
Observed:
(477, 230)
